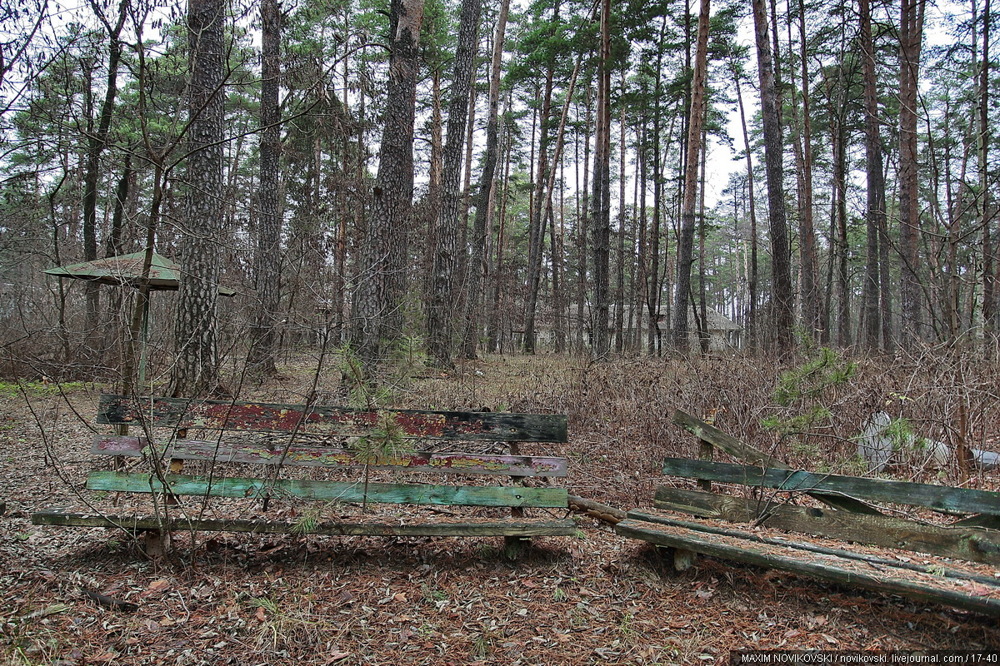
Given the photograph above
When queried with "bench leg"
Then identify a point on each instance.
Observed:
(514, 547)
(154, 543)
(677, 558)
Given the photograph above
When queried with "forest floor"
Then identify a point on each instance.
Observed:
(596, 598)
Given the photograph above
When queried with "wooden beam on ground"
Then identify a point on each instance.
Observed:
(782, 540)
(940, 498)
(602, 512)
(524, 528)
(976, 545)
(915, 585)
(335, 491)
(304, 455)
(155, 412)
(753, 456)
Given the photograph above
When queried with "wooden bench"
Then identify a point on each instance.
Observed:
(830, 506)
(279, 454)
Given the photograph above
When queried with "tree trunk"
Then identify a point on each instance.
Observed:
(781, 299)
(381, 282)
(653, 283)
(910, 39)
(583, 215)
(685, 246)
(752, 206)
(536, 232)
(807, 235)
(268, 251)
(196, 363)
(440, 311)
(986, 208)
(838, 140)
(601, 200)
(619, 324)
(481, 223)
(97, 140)
(875, 213)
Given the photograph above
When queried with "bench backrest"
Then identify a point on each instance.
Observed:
(337, 423)
(331, 421)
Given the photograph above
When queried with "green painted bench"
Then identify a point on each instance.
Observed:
(793, 506)
(280, 454)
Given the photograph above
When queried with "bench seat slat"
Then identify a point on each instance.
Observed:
(520, 528)
(787, 558)
(329, 420)
(941, 498)
(389, 493)
(300, 455)
(973, 544)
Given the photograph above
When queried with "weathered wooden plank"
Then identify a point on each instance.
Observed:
(941, 498)
(976, 545)
(329, 420)
(302, 455)
(389, 493)
(979, 520)
(740, 450)
(922, 587)
(725, 441)
(807, 546)
(524, 528)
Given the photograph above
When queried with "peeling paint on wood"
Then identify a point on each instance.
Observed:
(329, 420)
(300, 455)
(357, 492)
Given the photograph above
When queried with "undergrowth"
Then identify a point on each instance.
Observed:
(39, 389)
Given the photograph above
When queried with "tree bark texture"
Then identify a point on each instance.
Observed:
(196, 362)
(601, 203)
(752, 271)
(685, 246)
(536, 230)
(875, 213)
(910, 39)
(380, 285)
(480, 225)
(267, 261)
(441, 311)
(781, 301)
(807, 235)
(986, 206)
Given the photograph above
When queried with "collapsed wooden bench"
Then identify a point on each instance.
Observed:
(845, 513)
(316, 440)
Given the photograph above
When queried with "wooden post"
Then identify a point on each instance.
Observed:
(706, 451)
(155, 541)
(514, 546)
(176, 467)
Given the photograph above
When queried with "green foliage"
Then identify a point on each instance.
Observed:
(812, 379)
(798, 422)
(39, 388)
(362, 391)
(386, 441)
(307, 521)
(803, 393)
(903, 437)
(407, 354)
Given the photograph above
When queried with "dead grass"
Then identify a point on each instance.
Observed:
(244, 599)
